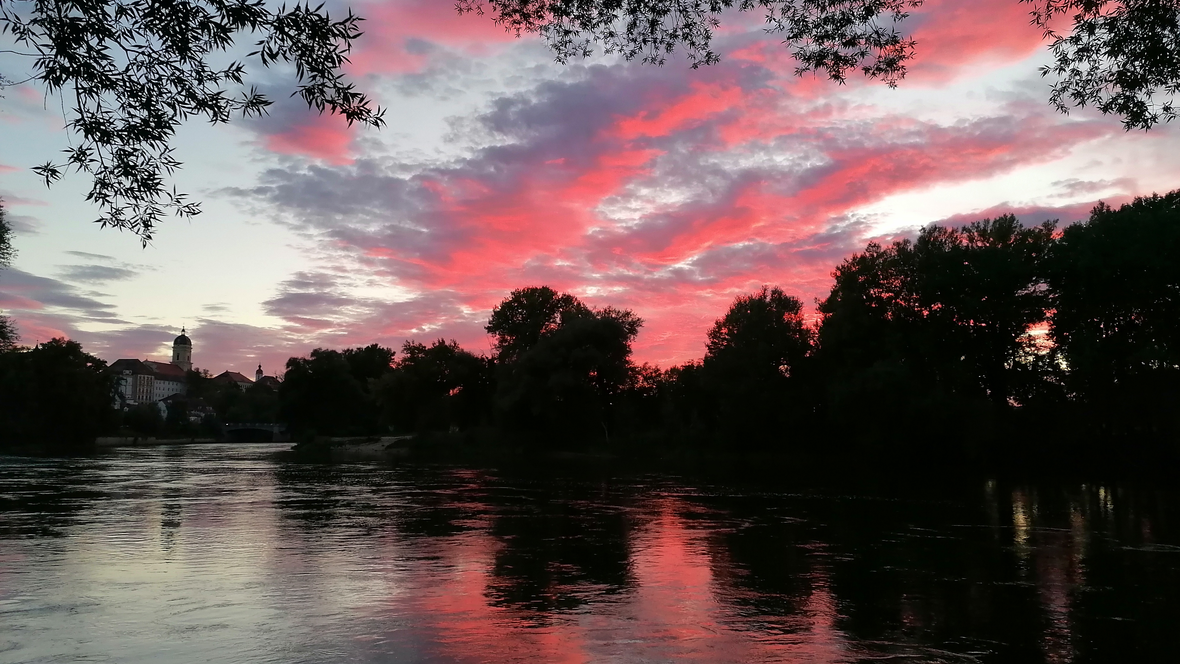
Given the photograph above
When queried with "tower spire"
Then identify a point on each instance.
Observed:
(182, 351)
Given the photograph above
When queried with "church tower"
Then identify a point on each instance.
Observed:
(182, 352)
(258, 374)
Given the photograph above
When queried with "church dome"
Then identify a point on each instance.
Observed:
(182, 340)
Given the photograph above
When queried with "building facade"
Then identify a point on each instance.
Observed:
(145, 381)
(170, 379)
(136, 382)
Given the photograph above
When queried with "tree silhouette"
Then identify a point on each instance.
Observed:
(329, 392)
(564, 364)
(952, 310)
(8, 335)
(752, 357)
(519, 322)
(54, 394)
(1114, 281)
(433, 388)
(762, 336)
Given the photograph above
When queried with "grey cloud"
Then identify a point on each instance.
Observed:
(53, 293)
(1032, 214)
(23, 224)
(1077, 187)
(89, 256)
(96, 273)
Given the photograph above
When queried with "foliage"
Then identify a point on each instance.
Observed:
(1114, 281)
(256, 403)
(762, 336)
(134, 70)
(435, 388)
(1121, 56)
(951, 313)
(565, 374)
(144, 419)
(519, 322)
(965, 343)
(8, 335)
(54, 394)
(369, 363)
(7, 253)
(753, 357)
(330, 392)
(832, 37)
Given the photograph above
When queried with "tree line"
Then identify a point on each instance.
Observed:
(989, 339)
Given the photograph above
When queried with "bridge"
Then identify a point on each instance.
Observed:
(255, 432)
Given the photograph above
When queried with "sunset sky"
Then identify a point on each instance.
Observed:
(665, 190)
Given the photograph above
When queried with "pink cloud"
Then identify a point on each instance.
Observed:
(10, 200)
(394, 26)
(705, 101)
(964, 38)
(664, 190)
(954, 39)
(9, 301)
(327, 137)
(543, 224)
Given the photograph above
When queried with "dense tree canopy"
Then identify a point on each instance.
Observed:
(568, 366)
(949, 314)
(55, 394)
(330, 392)
(528, 314)
(1115, 280)
(1121, 56)
(754, 355)
(991, 340)
(130, 71)
(763, 335)
(434, 388)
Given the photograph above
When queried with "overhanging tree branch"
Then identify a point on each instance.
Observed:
(1120, 56)
(137, 69)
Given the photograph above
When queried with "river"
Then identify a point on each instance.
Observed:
(212, 553)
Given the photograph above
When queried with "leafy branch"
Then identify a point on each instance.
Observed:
(133, 70)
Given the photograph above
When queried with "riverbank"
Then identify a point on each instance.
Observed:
(831, 456)
(835, 456)
(136, 441)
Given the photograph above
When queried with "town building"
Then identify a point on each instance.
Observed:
(233, 378)
(148, 381)
(170, 379)
(136, 382)
(266, 381)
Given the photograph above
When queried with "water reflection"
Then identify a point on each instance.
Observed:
(218, 553)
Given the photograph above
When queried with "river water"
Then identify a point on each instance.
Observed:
(210, 553)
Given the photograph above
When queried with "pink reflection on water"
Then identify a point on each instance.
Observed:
(676, 609)
(453, 606)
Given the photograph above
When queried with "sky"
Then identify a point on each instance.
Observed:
(665, 190)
